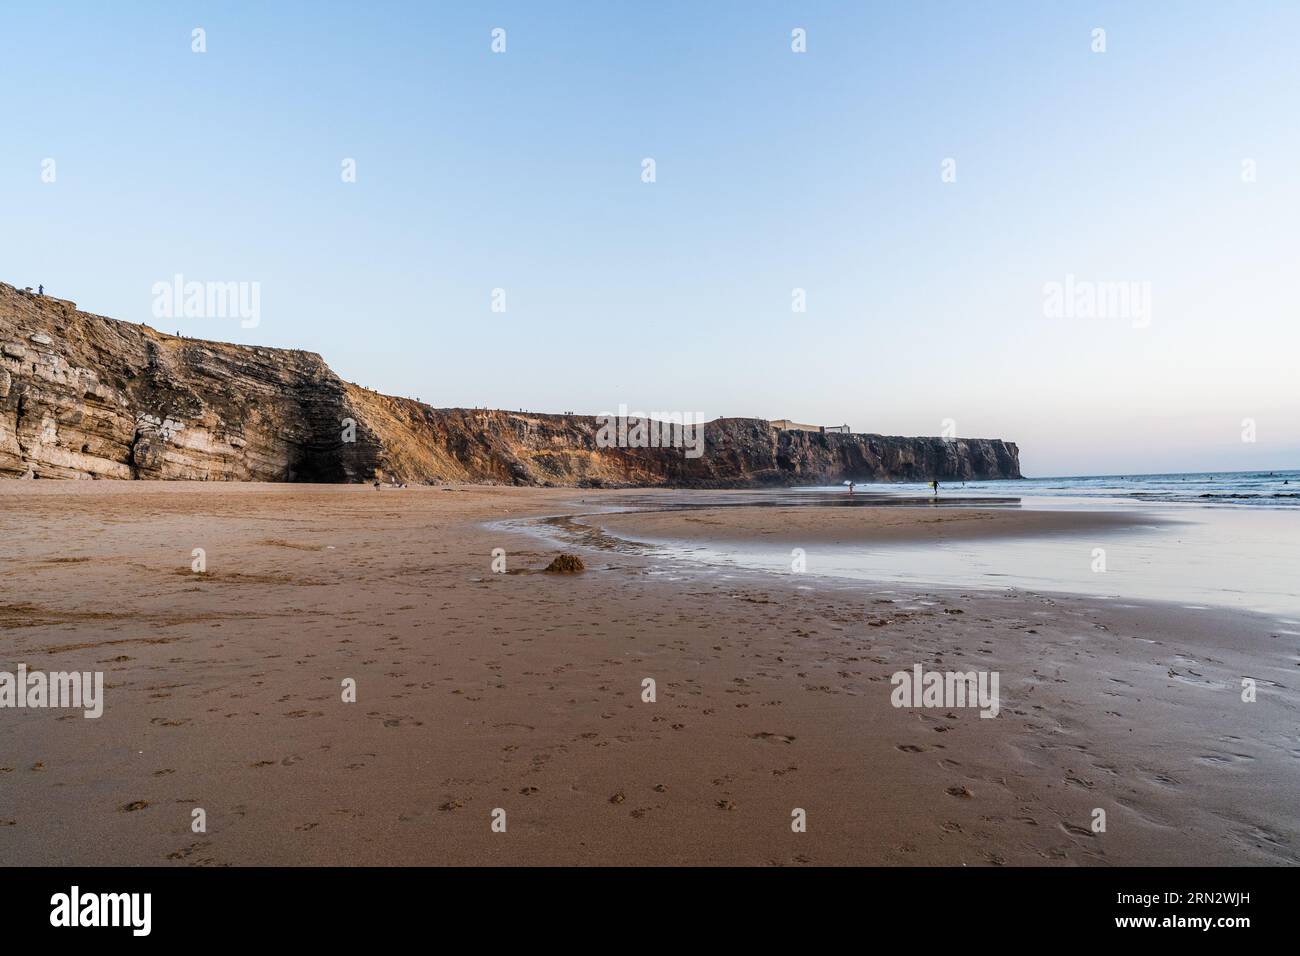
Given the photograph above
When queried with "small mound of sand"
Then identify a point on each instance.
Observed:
(566, 564)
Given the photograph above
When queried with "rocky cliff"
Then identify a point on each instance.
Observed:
(84, 396)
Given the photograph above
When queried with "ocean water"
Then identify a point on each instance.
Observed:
(1269, 489)
(1221, 539)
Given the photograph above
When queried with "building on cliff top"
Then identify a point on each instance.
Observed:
(785, 425)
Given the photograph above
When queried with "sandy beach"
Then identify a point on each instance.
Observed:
(851, 523)
(523, 691)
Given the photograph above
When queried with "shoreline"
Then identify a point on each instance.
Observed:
(863, 525)
(1177, 554)
(479, 691)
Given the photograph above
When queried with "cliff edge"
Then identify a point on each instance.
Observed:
(85, 396)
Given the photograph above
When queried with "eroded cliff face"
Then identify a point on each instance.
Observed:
(84, 396)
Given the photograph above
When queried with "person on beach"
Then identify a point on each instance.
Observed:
(850, 487)
(934, 486)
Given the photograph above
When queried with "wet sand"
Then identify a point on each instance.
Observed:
(859, 522)
(478, 691)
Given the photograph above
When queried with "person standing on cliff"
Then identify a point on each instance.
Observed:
(40, 290)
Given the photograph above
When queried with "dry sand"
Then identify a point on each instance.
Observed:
(523, 692)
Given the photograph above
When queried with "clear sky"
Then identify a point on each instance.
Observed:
(775, 170)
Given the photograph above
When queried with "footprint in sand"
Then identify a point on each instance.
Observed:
(1158, 777)
(910, 748)
(186, 852)
(1224, 759)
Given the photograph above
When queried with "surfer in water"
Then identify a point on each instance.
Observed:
(934, 486)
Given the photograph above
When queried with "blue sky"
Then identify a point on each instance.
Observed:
(774, 171)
